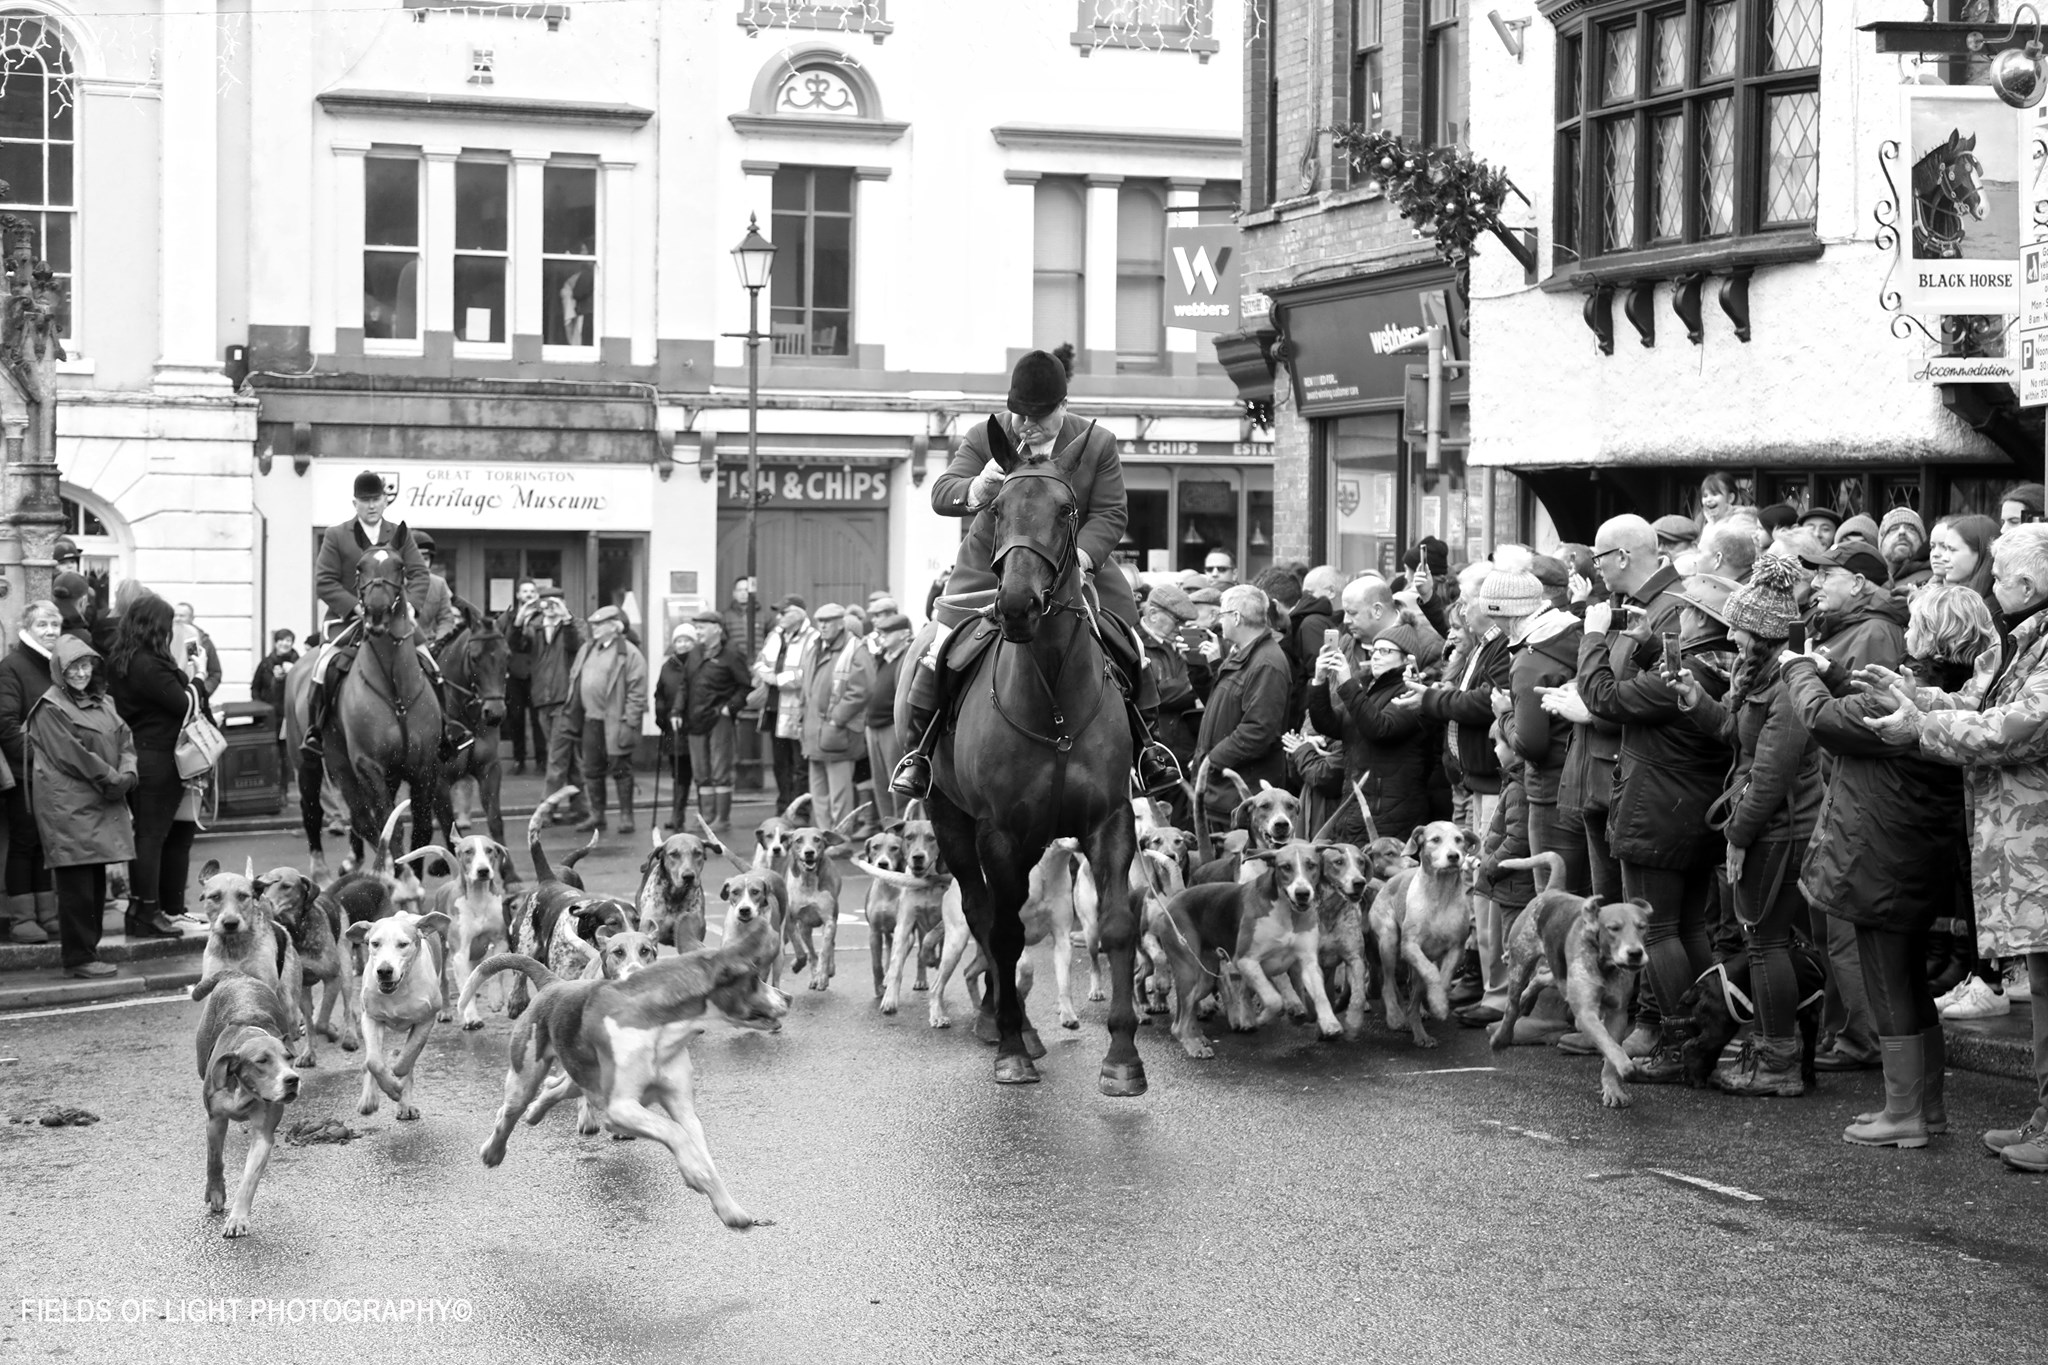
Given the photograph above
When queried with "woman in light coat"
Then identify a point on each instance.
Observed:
(82, 767)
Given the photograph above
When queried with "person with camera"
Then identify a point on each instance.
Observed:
(520, 718)
(554, 643)
(155, 695)
(194, 648)
(267, 686)
(1667, 773)
(1388, 750)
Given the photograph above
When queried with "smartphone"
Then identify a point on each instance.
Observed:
(1333, 640)
(1673, 659)
(1795, 637)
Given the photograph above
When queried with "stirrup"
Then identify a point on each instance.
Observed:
(913, 775)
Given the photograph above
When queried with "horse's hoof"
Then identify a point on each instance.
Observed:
(1032, 1046)
(985, 1028)
(1123, 1080)
(1015, 1071)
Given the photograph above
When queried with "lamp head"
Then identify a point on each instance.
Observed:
(755, 256)
(2019, 76)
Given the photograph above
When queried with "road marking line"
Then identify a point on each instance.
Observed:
(126, 1002)
(1536, 1133)
(1712, 1186)
(1449, 1071)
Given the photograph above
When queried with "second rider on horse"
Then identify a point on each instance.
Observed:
(1042, 430)
(334, 579)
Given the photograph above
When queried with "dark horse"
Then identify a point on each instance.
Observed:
(1040, 749)
(384, 728)
(1944, 189)
(473, 665)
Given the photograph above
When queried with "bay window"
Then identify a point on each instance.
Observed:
(1687, 123)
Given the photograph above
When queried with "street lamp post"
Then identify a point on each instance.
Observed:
(755, 257)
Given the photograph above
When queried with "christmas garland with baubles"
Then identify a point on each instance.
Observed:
(1448, 193)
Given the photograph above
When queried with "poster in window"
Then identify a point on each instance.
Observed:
(1961, 245)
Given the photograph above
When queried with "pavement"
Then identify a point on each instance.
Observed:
(1287, 1200)
(31, 979)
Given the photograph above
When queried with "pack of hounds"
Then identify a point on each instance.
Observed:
(1272, 923)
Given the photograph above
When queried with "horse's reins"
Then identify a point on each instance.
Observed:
(1945, 192)
(398, 704)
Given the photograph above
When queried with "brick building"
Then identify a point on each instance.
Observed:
(1335, 281)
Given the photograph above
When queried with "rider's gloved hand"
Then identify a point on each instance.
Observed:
(983, 490)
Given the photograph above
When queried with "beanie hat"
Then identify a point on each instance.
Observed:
(1902, 516)
(1513, 593)
(1037, 385)
(369, 484)
(1858, 525)
(69, 589)
(1764, 606)
(1174, 601)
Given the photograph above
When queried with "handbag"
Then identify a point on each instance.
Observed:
(200, 743)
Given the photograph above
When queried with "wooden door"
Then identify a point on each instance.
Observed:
(820, 556)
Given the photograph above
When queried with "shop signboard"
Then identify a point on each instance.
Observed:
(824, 484)
(1181, 451)
(500, 497)
(1962, 168)
(1344, 348)
(1204, 278)
(2032, 323)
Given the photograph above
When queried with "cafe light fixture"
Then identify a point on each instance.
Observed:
(2018, 74)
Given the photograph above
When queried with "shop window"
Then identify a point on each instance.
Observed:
(1895, 490)
(1208, 521)
(1140, 277)
(1844, 493)
(1258, 533)
(391, 248)
(482, 249)
(1367, 88)
(1363, 466)
(1443, 73)
(812, 288)
(38, 102)
(1689, 123)
(1059, 251)
(568, 256)
(1145, 523)
(1981, 496)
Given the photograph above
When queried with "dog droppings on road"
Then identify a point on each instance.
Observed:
(59, 1116)
(309, 1131)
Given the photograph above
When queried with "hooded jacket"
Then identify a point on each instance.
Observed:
(1774, 787)
(1307, 621)
(81, 769)
(1888, 839)
(1870, 631)
(1246, 715)
(1548, 656)
(1667, 773)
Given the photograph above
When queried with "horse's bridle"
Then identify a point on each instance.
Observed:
(1947, 200)
(398, 599)
(1068, 559)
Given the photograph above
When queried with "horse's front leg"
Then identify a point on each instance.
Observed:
(1110, 850)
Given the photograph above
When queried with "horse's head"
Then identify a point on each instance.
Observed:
(1962, 172)
(380, 587)
(1036, 512)
(487, 652)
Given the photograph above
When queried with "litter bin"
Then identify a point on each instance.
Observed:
(251, 780)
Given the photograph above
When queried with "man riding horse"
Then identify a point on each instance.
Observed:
(334, 578)
(1043, 431)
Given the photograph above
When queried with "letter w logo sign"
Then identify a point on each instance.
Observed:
(1200, 267)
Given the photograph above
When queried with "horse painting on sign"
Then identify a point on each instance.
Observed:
(1039, 749)
(1946, 196)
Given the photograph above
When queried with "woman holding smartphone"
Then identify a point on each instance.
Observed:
(1767, 814)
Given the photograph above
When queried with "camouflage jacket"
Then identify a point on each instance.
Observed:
(1996, 729)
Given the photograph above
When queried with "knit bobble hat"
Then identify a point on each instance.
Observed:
(1511, 590)
(1764, 606)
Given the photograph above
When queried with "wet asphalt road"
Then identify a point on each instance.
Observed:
(1289, 1200)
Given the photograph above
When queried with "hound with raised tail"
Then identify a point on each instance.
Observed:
(1594, 953)
(245, 1076)
(1421, 919)
(625, 1046)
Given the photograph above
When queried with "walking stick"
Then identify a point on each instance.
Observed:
(654, 814)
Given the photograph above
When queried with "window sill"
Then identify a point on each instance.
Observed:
(1676, 262)
(482, 350)
(74, 363)
(571, 355)
(381, 346)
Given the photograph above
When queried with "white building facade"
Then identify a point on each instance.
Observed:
(1703, 178)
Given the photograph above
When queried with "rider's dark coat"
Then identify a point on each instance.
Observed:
(1087, 455)
(343, 547)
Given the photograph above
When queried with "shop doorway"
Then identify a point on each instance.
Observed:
(836, 556)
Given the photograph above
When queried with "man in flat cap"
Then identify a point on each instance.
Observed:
(334, 580)
(1042, 430)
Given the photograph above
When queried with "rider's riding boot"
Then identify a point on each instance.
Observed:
(913, 775)
(455, 736)
(315, 744)
(1158, 770)
(624, 782)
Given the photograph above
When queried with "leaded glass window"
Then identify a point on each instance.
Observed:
(1681, 123)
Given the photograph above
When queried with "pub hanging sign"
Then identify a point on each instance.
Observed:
(821, 486)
